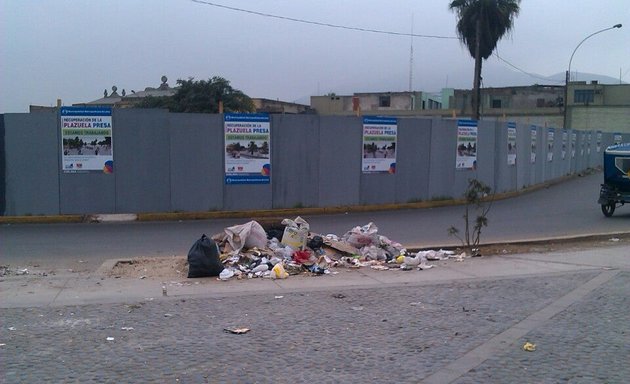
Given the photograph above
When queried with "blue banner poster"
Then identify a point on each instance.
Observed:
(551, 132)
(247, 148)
(511, 143)
(86, 140)
(379, 144)
(466, 157)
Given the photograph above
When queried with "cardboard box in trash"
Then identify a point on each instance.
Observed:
(295, 233)
(335, 248)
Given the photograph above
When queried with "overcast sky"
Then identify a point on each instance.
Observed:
(74, 50)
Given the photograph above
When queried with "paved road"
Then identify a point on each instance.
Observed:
(565, 209)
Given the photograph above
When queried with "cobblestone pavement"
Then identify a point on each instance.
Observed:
(370, 335)
(587, 343)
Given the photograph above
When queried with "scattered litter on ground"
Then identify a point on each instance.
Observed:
(278, 297)
(615, 239)
(131, 307)
(237, 331)
(529, 347)
(110, 339)
(127, 328)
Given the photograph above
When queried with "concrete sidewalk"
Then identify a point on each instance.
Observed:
(69, 288)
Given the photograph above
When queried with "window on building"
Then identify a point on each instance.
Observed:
(384, 101)
(496, 103)
(583, 96)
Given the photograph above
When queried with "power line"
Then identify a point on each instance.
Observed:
(320, 23)
(525, 72)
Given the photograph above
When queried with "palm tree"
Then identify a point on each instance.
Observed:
(481, 24)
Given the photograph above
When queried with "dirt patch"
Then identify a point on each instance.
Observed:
(176, 267)
(172, 267)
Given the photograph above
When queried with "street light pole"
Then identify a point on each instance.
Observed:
(567, 78)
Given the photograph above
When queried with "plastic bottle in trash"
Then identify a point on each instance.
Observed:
(261, 268)
(226, 274)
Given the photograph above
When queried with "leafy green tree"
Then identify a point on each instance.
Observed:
(481, 24)
(202, 96)
(165, 102)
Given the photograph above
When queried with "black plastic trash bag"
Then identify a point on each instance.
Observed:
(203, 258)
(315, 243)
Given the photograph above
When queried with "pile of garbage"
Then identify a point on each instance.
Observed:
(250, 251)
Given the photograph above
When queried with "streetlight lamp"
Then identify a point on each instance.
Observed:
(568, 73)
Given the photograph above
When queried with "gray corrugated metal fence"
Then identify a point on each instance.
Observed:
(167, 162)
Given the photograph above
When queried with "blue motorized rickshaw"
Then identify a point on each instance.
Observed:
(615, 191)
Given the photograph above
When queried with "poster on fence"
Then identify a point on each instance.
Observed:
(565, 136)
(466, 144)
(86, 140)
(247, 148)
(617, 138)
(533, 133)
(511, 143)
(379, 144)
(551, 132)
(588, 145)
(599, 141)
(573, 141)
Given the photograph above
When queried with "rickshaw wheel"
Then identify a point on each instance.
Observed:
(608, 209)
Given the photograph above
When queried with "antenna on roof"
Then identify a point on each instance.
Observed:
(411, 57)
